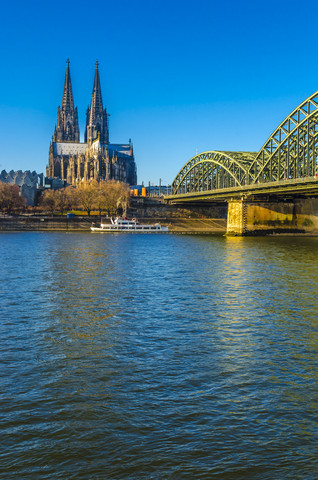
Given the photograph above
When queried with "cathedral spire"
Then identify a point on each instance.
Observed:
(67, 99)
(96, 119)
(67, 129)
(96, 102)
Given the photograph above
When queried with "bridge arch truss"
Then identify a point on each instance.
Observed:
(212, 171)
(291, 152)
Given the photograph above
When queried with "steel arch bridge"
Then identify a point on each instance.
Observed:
(289, 156)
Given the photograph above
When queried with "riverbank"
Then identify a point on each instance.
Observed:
(81, 224)
(195, 226)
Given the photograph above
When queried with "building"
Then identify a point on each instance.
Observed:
(29, 183)
(96, 158)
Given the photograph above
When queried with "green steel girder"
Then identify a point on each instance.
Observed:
(290, 153)
(215, 168)
(295, 158)
(283, 189)
(297, 130)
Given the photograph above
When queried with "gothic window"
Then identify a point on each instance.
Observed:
(68, 130)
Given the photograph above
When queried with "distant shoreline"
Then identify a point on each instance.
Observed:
(82, 224)
(178, 226)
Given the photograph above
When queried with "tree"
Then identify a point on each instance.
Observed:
(113, 197)
(110, 196)
(123, 196)
(48, 201)
(87, 196)
(63, 199)
(10, 198)
(107, 197)
(71, 198)
(59, 200)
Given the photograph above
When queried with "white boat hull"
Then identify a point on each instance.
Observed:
(129, 227)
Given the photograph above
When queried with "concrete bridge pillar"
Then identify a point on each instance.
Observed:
(236, 217)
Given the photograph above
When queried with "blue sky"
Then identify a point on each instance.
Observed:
(175, 75)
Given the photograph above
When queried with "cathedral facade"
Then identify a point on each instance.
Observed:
(96, 158)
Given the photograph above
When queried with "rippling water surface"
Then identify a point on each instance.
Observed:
(158, 357)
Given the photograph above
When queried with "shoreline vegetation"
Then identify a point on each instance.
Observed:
(110, 196)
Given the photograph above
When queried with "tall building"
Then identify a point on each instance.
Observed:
(96, 158)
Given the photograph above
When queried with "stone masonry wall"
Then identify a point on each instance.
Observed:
(145, 207)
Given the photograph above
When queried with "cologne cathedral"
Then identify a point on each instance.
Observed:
(96, 158)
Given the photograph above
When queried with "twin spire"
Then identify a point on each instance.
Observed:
(96, 115)
(67, 129)
(67, 100)
(96, 102)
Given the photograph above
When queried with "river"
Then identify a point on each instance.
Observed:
(158, 357)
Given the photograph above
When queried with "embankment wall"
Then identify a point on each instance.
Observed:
(261, 218)
(298, 215)
(145, 207)
(78, 224)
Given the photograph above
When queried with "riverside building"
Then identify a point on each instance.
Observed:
(96, 158)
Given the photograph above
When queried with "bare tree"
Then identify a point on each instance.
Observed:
(123, 196)
(48, 201)
(62, 199)
(87, 196)
(113, 197)
(11, 198)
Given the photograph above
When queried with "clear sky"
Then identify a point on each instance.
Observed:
(176, 76)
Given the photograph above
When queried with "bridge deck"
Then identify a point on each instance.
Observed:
(300, 186)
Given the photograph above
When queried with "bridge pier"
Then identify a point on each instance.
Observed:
(236, 217)
(247, 217)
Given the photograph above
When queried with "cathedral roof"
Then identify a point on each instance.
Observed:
(69, 148)
(77, 148)
(122, 148)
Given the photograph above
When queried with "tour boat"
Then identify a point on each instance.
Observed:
(124, 225)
